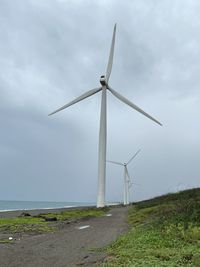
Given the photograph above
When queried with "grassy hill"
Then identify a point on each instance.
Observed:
(164, 231)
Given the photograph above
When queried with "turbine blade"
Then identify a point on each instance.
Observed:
(133, 156)
(129, 103)
(83, 96)
(110, 60)
(118, 163)
(130, 185)
(129, 178)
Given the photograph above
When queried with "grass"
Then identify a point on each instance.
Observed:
(5, 241)
(164, 232)
(24, 225)
(76, 214)
(38, 224)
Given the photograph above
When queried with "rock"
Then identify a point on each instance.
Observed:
(24, 214)
(86, 256)
(50, 219)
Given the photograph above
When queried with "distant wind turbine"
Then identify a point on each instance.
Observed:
(127, 179)
(103, 120)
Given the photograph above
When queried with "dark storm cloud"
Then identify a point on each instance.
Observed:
(52, 52)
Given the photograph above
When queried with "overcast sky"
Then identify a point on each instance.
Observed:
(53, 51)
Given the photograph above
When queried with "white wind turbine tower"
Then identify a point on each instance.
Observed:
(127, 179)
(103, 120)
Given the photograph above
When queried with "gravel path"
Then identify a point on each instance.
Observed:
(68, 247)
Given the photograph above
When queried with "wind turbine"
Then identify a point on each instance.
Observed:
(103, 120)
(127, 179)
(130, 184)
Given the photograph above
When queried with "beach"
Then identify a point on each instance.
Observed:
(73, 244)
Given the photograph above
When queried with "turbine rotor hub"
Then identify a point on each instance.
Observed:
(103, 80)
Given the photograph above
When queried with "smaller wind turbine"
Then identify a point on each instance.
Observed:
(127, 179)
(129, 185)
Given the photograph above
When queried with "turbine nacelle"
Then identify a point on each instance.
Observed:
(103, 80)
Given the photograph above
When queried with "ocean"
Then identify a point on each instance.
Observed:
(32, 205)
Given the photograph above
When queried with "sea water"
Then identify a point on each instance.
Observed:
(32, 205)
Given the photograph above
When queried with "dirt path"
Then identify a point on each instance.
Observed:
(68, 247)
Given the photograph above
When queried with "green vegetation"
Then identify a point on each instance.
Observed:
(24, 224)
(164, 232)
(5, 241)
(41, 224)
(76, 214)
